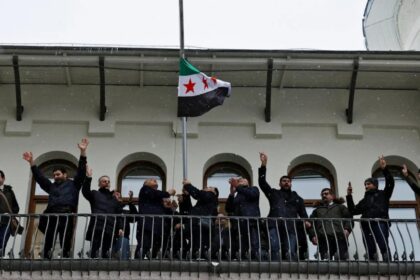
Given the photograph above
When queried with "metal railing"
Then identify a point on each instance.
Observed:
(220, 244)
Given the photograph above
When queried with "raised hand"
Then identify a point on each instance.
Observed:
(263, 159)
(130, 196)
(405, 170)
(28, 157)
(171, 192)
(382, 162)
(83, 146)
(349, 189)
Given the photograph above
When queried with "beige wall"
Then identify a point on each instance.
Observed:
(143, 119)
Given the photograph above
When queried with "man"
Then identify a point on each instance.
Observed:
(6, 193)
(102, 228)
(198, 229)
(374, 206)
(243, 201)
(284, 203)
(411, 182)
(334, 227)
(63, 199)
(149, 229)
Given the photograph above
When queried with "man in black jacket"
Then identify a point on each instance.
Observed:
(374, 206)
(149, 229)
(198, 229)
(244, 201)
(5, 230)
(63, 198)
(102, 228)
(284, 203)
(333, 228)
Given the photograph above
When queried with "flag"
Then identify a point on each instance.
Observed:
(198, 93)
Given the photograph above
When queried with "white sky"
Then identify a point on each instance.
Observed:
(227, 24)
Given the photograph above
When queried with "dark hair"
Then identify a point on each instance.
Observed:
(327, 189)
(2, 174)
(372, 180)
(217, 191)
(285, 177)
(61, 169)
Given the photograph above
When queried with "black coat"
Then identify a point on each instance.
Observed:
(375, 203)
(151, 203)
(11, 198)
(283, 203)
(207, 202)
(245, 203)
(63, 195)
(102, 201)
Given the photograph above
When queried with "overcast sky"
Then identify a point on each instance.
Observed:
(232, 24)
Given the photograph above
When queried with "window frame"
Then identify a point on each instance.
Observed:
(322, 170)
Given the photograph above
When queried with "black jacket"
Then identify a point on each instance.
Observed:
(207, 202)
(245, 203)
(11, 198)
(283, 203)
(375, 203)
(102, 201)
(64, 195)
(151, 203)
(413, 185)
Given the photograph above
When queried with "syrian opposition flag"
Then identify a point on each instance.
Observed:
(197, 93)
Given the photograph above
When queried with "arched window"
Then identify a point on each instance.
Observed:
(218, 175)
(39, 200)
(132, 177)
(308, 179)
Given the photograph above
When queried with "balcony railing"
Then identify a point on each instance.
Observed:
(211, 244)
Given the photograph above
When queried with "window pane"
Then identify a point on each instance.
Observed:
(402, 190)
(135, 177)
(309, 186)
(220, 180)
(402, 232)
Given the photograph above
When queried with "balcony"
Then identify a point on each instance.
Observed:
(218, 246)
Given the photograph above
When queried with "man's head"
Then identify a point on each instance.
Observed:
(285, 182)
(104, 182)
(371, 184)
(1, 177)
(243, 182)
(59, 174)
(151, 183)
(327, 195)
(212, 189)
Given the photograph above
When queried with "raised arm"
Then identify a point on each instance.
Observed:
(81, 168)
(353, 209)
(262, 182)
(389, 180)
(410, 181)
(86, 191)
(43, 181)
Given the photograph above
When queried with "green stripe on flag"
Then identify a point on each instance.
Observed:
(185, 68)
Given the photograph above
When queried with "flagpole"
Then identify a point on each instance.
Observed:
(183, 119)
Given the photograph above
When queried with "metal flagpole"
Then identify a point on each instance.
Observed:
(183, 119)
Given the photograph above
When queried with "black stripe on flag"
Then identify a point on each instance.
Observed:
(194, 106)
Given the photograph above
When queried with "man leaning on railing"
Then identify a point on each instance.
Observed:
(63, 198)
(332, 229)
(374, 207)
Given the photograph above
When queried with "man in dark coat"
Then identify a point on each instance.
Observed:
(102, 228)
(5, 228)
(198, 229)
(150, 228)
(244, 201)
(63, 199)
(333, 228)
(284, 203)
(374, 206)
